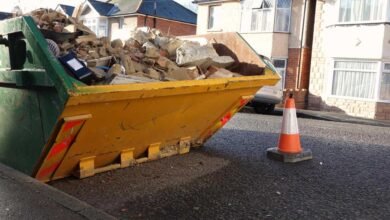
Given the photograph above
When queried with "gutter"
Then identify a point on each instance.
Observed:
(151, 16)
(200, 2)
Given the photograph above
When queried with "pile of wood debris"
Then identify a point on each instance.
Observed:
(147, 56)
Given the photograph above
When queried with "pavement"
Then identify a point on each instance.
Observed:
(337, 117)
(22, 197)
(231, 177)
(328, 116)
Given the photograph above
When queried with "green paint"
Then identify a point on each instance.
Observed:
(50, 108)
(34, 89)
(21, 137)
(26, 78)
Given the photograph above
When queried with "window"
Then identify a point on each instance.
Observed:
(384, 93)
(361, 10)
(354, 79)
(99, 27)
(213, 17)
(262, 17)
(121, 22)
(91, 24)
(102, 30)
(280, 65)
(266, 15)
(388, 11)
(283, 15)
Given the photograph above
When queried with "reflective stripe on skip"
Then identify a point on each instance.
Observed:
(290, 122)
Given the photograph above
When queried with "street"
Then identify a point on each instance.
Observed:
(231, 177)
(173, 109)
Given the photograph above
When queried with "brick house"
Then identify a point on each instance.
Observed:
(166, 15)
(279, 29)
(117, 18)
(350, 67)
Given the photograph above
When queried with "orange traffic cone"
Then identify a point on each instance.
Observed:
(289, 149)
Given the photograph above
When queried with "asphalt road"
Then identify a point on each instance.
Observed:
(231, 177)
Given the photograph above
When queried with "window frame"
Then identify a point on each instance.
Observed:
(285, 69)
(121, 23)
(378, 75)
(262, 10)
(289, 18)
(379, 84)
(273, 18)
(95, 24)
(385, 15)
(92, 23)
(214, 28)
(102, 23)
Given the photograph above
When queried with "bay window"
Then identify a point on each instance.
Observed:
(266, 16)
(362, 10)
(354, 79)
(384, 93)
(359, 79)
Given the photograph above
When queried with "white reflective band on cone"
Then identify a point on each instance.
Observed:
(290, 122)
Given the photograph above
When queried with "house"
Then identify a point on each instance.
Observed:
(166, 15)
(350, 68)
(279, 29)
(117, 18)
(5, 15)
(65, 9)
(95, 15)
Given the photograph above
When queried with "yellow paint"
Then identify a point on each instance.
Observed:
(184, 145)
(127, 157)
(149, 117)
(86, 167)
(154, 151)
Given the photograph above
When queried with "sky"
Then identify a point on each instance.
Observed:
(28, 5)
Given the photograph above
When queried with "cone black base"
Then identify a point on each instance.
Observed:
(273, 153)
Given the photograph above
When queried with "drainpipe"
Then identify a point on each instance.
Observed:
(299, 75)
(155, 14)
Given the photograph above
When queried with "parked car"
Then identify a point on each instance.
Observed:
(268, 96)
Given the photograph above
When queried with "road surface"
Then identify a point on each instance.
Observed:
(231, 177)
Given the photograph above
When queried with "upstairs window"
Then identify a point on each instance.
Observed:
(266, 16)
(121, 23)
(283, 16)
(262, 17)
(361, 10)
(213, 17)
